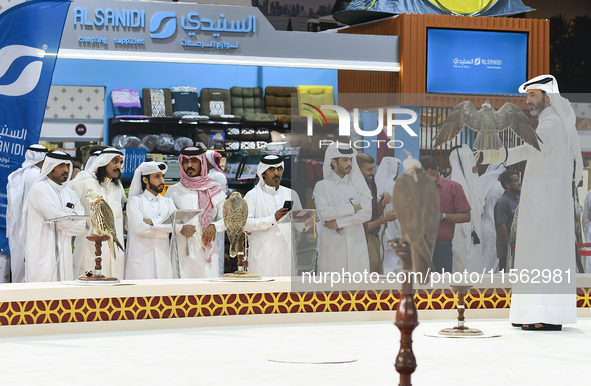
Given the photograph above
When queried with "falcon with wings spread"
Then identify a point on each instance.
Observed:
(487, 122)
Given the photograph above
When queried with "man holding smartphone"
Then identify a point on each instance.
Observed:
(272, 251)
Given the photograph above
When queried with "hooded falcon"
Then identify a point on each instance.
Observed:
(416, 202)
(235, 215)
(487, 122)
(102, 220)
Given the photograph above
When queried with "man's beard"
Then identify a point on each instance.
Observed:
(537, 109)
(155, 188)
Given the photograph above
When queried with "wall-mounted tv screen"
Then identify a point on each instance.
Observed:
(475, 62)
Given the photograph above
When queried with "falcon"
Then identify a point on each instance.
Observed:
(488, 122)
(102, 220)
(235, 215)
(416, 202)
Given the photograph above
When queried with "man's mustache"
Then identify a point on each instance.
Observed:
(190, 168)
(117, 170)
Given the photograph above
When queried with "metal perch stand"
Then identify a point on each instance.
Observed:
(406, 318)
(97, 277)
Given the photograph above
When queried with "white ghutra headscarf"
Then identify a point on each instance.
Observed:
(338, 150)
(145, 169)
(566, 113)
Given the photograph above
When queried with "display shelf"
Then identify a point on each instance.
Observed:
(194, 129)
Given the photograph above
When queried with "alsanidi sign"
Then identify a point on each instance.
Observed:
(202, 33)
(475, 62)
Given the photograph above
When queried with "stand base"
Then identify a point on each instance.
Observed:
(460, 332)
(241, 276)
(96, 280)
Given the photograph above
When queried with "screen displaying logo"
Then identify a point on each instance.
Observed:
(475, 62)
(156, 24)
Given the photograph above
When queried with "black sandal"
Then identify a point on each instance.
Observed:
(516, 324)
(545, 327)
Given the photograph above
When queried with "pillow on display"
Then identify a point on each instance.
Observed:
(317, 96)
(216, 103)
(157, 102)
(185, 103)
(126, 103)
(278, 102)
(248, 103)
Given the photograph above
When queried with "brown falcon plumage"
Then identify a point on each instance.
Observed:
(235, 215)
(102, 220)
(487, 122)
(416, 202)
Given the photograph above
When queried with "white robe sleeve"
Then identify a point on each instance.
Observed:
(166, 227)
(327, 212)
(363, 215)
(253, 223)
(300, 227)
(136, 224)
(45, 203)
(219, 224)
(547, 130)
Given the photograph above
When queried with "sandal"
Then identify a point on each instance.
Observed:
(545, 327)
(516, 324)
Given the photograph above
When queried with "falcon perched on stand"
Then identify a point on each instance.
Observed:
(488, 123)
(416, 202)
(235, 215)
(102, 220)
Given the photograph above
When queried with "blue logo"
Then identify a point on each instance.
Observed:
(156, 23)
(30, 74)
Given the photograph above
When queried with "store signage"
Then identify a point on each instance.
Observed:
(80, 129)
(112, 25)
(162, 25)
(124, 30)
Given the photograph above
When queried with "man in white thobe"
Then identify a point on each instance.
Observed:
(19, 184)
(343, 200)
(385, 182)
(467, 247)
(49, 199)
(546, 234)
(273, 242)
(148, 247)
(216, 173)
(198, 251)
(103, 177)
(492, 192)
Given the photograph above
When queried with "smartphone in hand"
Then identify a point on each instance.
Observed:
(288, 205)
